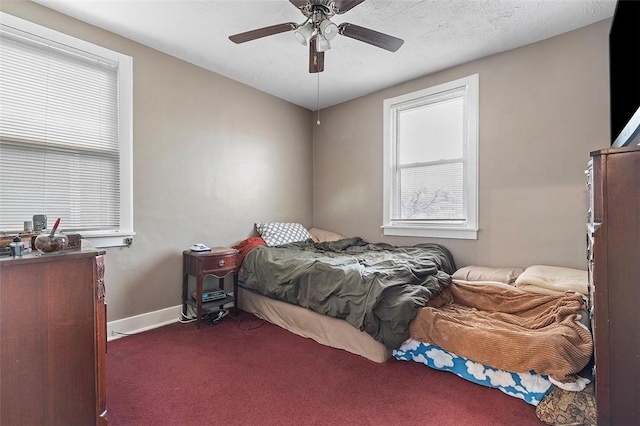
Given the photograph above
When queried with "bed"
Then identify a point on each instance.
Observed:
(328, 331)
(396, 326)
(377, 288)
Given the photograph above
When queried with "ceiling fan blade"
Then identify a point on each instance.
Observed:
(262, 32)
(316, 59)
(299, 3)
(366, 35)
(346, 5)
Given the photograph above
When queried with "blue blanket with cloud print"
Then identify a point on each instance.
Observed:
(530, 387)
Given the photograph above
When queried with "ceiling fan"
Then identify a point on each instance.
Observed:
(317, 30)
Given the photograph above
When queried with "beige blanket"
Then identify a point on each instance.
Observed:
(508, 330)
(543, 279)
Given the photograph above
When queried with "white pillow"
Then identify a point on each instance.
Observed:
(278, 233)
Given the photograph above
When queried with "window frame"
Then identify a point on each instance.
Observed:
(466, 229)
(123, 235)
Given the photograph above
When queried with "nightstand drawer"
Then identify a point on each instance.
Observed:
(220, 263)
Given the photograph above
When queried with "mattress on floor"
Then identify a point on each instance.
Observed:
(530, 387)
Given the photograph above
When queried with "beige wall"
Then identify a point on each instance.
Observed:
(211, 157)
(543, 108)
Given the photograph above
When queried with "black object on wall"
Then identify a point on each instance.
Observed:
(624, 73)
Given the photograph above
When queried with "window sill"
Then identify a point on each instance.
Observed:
(111, 239)
(462, 233)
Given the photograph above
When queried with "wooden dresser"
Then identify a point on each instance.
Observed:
(53, 344)
(613, 254)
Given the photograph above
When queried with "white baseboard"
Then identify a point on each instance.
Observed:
(143, 322)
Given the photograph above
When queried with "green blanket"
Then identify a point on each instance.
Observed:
(377, 288)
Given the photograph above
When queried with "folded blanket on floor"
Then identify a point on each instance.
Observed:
(553, 280)
(509, 330)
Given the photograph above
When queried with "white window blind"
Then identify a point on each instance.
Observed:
(59, 135)
(430, 161)
(428, 167)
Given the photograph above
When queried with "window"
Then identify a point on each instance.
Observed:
(430, 162)
(65, 133)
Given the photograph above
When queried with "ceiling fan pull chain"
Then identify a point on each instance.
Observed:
(318, 100)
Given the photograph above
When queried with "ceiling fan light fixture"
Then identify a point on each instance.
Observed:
(322, 44)
(304, 33)
(328, 29)
(317, 30)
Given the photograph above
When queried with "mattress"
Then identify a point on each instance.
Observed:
(530, 387)
(329, 331)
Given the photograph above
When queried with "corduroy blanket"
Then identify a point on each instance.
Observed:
(508, 330)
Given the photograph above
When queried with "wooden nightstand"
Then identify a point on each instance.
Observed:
(219, 262)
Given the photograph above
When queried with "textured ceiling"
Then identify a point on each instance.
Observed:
(438, 34)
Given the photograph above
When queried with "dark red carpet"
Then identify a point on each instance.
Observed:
(222, 374)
